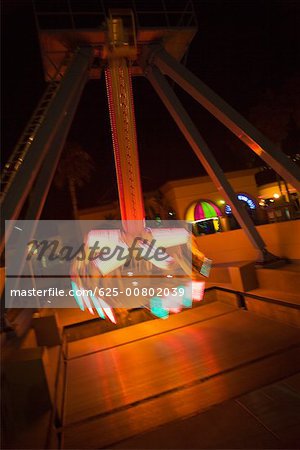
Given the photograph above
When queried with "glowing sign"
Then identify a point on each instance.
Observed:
(242, 198)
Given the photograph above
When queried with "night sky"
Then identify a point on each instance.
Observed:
(242, 48)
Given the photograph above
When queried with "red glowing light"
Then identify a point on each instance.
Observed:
(197, 290)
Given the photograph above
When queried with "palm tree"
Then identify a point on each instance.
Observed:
(156, 206)
(74, 170)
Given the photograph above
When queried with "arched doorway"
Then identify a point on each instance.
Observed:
(205, 217)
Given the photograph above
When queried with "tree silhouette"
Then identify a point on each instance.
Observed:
(156, 206)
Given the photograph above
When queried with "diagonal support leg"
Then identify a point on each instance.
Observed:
(45, 177)
(71, 85)
(234, 121)
(206, 157)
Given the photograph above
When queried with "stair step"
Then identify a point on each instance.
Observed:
(284, 279)
(279, 312)
(287, 297)
(219, 274)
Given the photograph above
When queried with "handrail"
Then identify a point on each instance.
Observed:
(57, 415)
(254, 296)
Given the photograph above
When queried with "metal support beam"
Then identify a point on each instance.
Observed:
(70, 88)
(234, 121)
(42, 185)
(205, 156)
(38, 195)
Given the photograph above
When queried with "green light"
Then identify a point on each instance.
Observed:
(187, 300)
(78, 299)
(157, 309)
(97, 306)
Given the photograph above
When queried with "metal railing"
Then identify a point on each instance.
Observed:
(242, 302)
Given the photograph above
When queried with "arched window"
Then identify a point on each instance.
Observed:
(246, 199)
(248, 203)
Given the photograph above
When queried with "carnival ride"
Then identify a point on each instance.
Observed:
(84, 44)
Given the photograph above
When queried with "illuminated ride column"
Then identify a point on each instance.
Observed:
(121, 49)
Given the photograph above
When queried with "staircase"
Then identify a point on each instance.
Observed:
(281, 284)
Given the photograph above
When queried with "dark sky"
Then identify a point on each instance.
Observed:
(242, 48)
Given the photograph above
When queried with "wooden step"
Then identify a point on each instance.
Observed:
(103, 431)
(128, 389)
(281, 312)
(144, 330)
(284, 279)
(265, 418)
